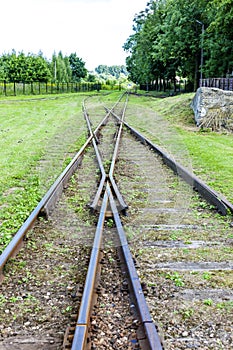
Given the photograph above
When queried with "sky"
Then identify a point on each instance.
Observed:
(95, 29)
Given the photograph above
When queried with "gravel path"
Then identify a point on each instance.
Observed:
(113, 325)
(183, 251)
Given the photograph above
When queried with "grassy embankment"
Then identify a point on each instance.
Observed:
(208, 154)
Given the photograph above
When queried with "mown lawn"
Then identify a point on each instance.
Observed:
(37, 137)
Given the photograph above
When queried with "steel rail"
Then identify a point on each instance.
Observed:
(81, 329)
(46, 204)
(114, 158)
(104, 176)
(214, 198)
(152, 339)
(94, 204)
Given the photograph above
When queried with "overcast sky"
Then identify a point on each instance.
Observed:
(95, 29)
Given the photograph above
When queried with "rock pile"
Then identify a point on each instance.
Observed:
(213, 108)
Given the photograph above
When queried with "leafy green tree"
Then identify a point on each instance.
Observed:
(77, 67)
(22, 68)
(63, 71)
(180, 45)
(37, 69)
(102, 69)
(3, 67)
(141, 64)
(68, 69)
(91, 78)
(167, 40)
(15, 66)
(2, 71)
(218, 39)
(60, 68)
(114, 71)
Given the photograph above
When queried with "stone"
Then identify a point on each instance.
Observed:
(185, 334)
(213, 108)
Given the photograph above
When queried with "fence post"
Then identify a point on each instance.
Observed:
(4, 88)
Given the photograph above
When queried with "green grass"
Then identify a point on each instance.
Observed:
(39, 135)
(169, 122)
(36, 138)
(212, 156)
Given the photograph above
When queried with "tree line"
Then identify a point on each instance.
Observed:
(181, 38)
(19, 67)
(36, 68)
(114, 71)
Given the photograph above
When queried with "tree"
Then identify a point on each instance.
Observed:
(181, 42)
(167, 40)
(37, 69)
(77, 67)
(142, 66)
(60, 68)
(102, 69)
(91, 78)
(114, 71)
(218, 39)
(22, 68)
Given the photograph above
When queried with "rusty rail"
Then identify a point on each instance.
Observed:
(149, 338)
(104, 176)
(114, 158)
(214, 198)
(81, 329)
(46, 205)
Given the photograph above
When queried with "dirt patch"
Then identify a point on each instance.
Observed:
(217, 295)
(192, 266)
(180, 244)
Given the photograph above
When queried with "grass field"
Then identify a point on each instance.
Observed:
(39, 135)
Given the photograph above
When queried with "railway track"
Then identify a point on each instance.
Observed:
(87, 272)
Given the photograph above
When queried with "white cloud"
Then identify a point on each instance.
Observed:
(95, 29)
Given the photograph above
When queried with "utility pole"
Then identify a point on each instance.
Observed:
(202, 46)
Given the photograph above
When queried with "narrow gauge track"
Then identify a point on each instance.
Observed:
(145, 235)
(149, 338)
